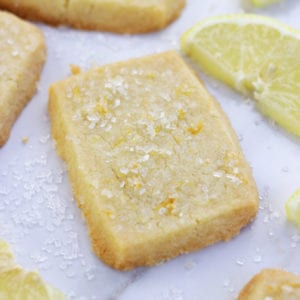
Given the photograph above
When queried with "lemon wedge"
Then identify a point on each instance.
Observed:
(263, 3)
(18, 284)
(256, 55)
(292, 208)
(6, 256)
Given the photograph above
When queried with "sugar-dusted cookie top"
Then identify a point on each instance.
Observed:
(154, 162)
(272, 284)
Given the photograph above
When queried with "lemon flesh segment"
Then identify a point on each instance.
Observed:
(257, 56)
(6, 256)
(263, 3)
(292, 208)
(18, 284)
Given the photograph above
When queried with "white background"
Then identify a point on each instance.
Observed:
(40, 219)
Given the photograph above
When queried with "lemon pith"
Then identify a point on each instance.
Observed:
(292, 208)
(257, 56)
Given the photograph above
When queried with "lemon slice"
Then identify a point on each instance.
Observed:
(18, 284)
(256, 55)
(6, 256)
(263, 3)
(292, 208)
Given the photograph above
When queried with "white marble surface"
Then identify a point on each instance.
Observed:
(40, 219)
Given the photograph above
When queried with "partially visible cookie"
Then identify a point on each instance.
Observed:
(272, 284)
(121, 16)
(22, 54)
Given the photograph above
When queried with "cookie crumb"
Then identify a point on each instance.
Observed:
(75, 69)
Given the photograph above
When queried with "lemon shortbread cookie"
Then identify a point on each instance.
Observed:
(22, 54)
(272, 284)
(122, 16)
(18, 284)
(155, 165)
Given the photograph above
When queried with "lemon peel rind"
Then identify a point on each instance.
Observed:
(292, 208)
(243, 19)
(263, 3)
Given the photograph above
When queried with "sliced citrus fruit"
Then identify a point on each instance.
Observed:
(256, 55)
(18, 284)
(263, 3)
(292, 208)
(6, 256)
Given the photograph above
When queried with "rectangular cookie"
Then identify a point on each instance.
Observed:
(272, 284)
(121, 16)
(22, 55)
(154, 163)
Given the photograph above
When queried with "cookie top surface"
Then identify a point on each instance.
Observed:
(272, 284)
(156, 148)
